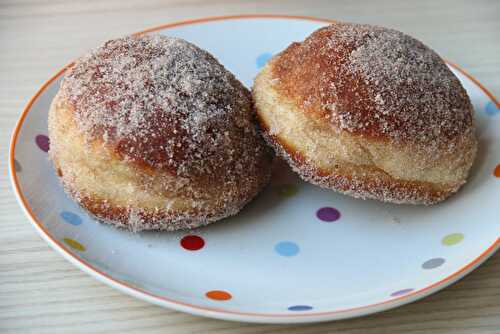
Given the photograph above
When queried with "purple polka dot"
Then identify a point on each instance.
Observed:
(300, 308)
(42, 142)
(401, 292)
(328, 214)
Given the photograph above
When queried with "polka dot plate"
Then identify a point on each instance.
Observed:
(297, 253)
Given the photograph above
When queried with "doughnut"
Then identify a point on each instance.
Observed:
(369, 112)
(153, 133)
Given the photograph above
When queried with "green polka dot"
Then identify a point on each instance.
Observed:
(287, 190)
(452, 239)
(74, 244)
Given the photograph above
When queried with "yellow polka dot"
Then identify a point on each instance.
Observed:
(452, 239)
(74, 244)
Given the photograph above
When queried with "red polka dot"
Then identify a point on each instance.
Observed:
(192, 242)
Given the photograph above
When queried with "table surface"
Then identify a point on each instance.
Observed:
(42, 293)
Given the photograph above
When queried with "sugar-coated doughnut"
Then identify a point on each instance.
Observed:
(369, 112)
(152, 132)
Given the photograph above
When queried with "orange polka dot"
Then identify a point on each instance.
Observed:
(218, 295)
(496, 172)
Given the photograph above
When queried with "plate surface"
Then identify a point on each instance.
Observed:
(298, 253)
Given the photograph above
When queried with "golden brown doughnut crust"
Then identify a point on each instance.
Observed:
(151, 132)
(359, 98)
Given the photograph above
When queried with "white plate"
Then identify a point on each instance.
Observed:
(298, 253)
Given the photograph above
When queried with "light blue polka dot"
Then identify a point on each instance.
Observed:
(287, 248)
(262, 59)
(71, 218)
(491, 109)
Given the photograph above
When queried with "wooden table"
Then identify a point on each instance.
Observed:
(42, 293)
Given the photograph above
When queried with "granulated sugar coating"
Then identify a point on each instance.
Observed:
(376, 82)
(370, 112)
(161, 101)
(152, 132)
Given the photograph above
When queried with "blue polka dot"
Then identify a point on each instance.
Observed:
(262, 59)
(300, 308)
(287, 248)
(491, 109)
(71, 218)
